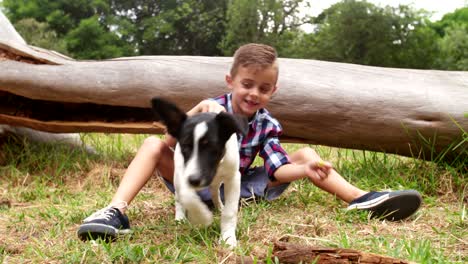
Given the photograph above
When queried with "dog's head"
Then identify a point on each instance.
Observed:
(201, 138)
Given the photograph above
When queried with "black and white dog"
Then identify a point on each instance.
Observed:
(206, 155)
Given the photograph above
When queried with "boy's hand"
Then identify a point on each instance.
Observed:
(206, 106)
(318, 170)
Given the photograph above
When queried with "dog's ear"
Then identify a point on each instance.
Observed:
(169, 114)
(231, 123)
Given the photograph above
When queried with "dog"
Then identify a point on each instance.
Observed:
(206, 155)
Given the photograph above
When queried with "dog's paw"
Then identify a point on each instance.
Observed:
(180, 217)
(179, 213)
(229, 240)
(200, 217)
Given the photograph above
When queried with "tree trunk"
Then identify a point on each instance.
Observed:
(9, 35)
(408, 112)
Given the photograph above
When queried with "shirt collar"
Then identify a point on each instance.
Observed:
(230, 110)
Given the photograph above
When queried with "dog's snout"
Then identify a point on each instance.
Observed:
(194, 180)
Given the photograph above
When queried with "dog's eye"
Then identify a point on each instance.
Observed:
(203, 142)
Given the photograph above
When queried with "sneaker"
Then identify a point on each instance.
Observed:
(106, 223)
(393, 206)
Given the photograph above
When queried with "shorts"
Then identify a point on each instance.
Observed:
(254, 184)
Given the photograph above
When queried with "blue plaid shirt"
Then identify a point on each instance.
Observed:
(262, 138)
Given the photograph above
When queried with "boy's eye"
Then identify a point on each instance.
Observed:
(265, 89)
(247, 84)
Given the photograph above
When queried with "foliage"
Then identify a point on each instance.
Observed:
(453, 28)
(454, 48)
(459, 16)
(191, 27)
(61, 15)
(360, 32)
(90, 40)
(349, 31)
(272, 22)
(144, 27)
(40, 35)
(77, 22)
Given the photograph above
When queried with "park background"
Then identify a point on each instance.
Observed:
(46, 191)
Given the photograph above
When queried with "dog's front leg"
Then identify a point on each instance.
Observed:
(197, 212)
(229, 213)
(189, 206)
(179, 184)
(179, 209)
(215, 196)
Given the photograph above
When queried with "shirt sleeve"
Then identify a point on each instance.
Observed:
(273, 154)
(222, 100)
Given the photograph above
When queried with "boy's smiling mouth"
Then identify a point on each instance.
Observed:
(251, 103)
(251, 106)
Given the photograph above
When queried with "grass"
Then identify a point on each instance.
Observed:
(46, 191)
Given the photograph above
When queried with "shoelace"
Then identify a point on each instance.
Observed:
(106, 212)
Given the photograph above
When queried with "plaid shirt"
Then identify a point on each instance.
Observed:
(262, 138)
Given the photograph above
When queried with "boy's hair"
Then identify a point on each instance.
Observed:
(259, 55)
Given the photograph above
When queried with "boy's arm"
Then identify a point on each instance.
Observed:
(206, 106)
(282, 168)
(318, 170)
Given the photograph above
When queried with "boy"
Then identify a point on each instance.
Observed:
(252, 81)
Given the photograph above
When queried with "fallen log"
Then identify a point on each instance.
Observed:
(8, 34)
(417, 113)
(289, 253)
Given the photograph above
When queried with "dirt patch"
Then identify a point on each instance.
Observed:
(10, 238)
(5, 203)
(99, 175)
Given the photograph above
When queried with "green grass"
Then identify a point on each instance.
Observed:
(46, 191)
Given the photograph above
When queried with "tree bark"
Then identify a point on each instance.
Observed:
(9, 35)
(289, 253)
(417, 113)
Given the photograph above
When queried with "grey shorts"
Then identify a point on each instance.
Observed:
(254, 184)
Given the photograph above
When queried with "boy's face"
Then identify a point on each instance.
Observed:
(252, 88)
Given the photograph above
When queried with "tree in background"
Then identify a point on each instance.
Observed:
(60, 15)
(360, 32)
(273, 22)
(90, 40)
(349, 31)
(355, 32)
(459, 16)
(97, 29)
(40, 35)
(416, 42)
(77, 22)
(192, 27)
(453, 45)
(454, 48)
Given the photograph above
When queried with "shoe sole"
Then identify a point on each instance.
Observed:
(393, 206)
(93, 231)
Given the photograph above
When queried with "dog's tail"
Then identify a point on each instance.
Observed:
(197, 212)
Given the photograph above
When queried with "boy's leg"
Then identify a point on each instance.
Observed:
(334, 183)
(395, 205)
(153, 154)
(111, 220)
